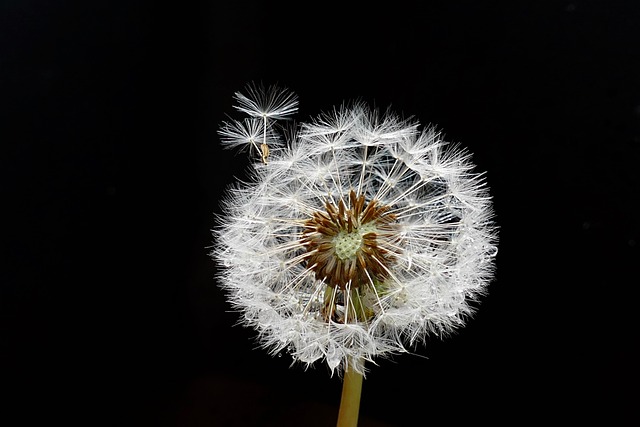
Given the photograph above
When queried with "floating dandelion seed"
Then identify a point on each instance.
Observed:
(262, 105)
(361, 236)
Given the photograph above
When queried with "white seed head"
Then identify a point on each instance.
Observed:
(361, 236)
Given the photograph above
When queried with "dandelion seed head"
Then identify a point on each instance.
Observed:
(362, 235)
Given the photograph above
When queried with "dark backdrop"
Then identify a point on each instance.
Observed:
(112, 172)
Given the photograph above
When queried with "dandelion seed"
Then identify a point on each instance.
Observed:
(246, 133)
(271, 102)
(263, 105)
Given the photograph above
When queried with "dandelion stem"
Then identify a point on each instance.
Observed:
(350, 400)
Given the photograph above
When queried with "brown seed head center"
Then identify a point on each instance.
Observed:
(351, 245)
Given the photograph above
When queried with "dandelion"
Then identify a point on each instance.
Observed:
(363, 235)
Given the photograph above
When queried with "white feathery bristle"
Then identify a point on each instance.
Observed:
(270, 102)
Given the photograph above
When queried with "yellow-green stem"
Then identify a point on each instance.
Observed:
(350, 400)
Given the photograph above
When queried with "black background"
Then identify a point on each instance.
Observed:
(112, 173)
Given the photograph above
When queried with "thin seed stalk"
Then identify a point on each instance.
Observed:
(350, 399)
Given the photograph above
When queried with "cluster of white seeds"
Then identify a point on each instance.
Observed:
(356, 235)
